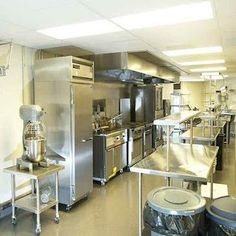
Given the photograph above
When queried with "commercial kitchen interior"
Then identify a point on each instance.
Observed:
(131, 96)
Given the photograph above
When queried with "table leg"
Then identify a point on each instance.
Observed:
(168, 181)
(140, 204)
(199, 187)
(57, 218)
(32, 186)
(13, 196)
(212, 184)
(191, 131)
(227, 133)
(38, 226)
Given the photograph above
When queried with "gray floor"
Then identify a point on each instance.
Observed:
(109, 210)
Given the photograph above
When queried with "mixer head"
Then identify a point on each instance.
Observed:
(31, 113)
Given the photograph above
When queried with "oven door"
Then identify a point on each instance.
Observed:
(137, 153)
(148, 142)
(157, 136)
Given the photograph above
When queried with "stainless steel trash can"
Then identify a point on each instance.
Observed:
(221, 216)
(173, 211)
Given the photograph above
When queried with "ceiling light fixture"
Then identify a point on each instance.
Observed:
(167, 16)
(81, 29)
(210, 73)
(193, 51)
(207, 62)
(213, 77)
(209, 69)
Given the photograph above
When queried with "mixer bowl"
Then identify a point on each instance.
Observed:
(35, 149)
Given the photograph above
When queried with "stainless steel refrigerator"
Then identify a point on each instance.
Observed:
(63, 87)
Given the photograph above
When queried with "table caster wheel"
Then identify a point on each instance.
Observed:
(68, 208)
(103, 183)
(37, 231)
(121, 171)
(57, 220)
(13, 221)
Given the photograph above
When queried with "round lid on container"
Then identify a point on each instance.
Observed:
(223, 211)
(176, 201)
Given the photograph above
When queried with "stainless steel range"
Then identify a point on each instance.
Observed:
(135, 144)
(109, 154)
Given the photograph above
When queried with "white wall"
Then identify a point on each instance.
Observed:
(194, 89)
(196, 93)
(15, 89)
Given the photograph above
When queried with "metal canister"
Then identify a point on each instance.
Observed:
(34, 142)
(35, 149)
(173, 211)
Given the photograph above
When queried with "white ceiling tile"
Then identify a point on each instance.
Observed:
(188, 35)
(104, 38)
(49, 17)
(225, 7)
(111, 8)
(129, 45)
(36, 40)
(8, 30)
(33, 4)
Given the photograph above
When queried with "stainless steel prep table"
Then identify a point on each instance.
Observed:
(218, 124)
(207, 134)
(31, 202)
(177, 160)
(186, 162)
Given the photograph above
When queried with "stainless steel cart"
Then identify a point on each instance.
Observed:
(32, 202)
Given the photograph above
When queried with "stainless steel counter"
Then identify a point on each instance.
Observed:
(185, 162)
(37, 173)
(202, 134)
(230, 112)
(176, 118)
(219, 124)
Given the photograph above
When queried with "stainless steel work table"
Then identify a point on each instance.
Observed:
(31, 202)
(207, 134)
(186, 162)
(218, 124)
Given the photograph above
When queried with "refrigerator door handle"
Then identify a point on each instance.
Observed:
(86, 140)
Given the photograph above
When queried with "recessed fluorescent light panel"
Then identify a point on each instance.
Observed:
(167, 16)
(193, 51)
(213, 77)
(210, 73)
(209, 69)
(195, 63)
(81, 29)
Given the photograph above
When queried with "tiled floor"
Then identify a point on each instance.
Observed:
(109, 211)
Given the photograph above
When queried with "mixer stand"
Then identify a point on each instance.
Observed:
(30, 165)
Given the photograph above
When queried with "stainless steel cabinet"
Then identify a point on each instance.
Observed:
(109, 163)
(63, 87)
(83, 138)
(118, 157)
(109, 155)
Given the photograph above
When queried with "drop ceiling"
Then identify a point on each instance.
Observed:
(20, 23)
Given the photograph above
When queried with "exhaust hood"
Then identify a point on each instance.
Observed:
(134, 67)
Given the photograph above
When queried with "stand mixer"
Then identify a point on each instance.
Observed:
(34, 140)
